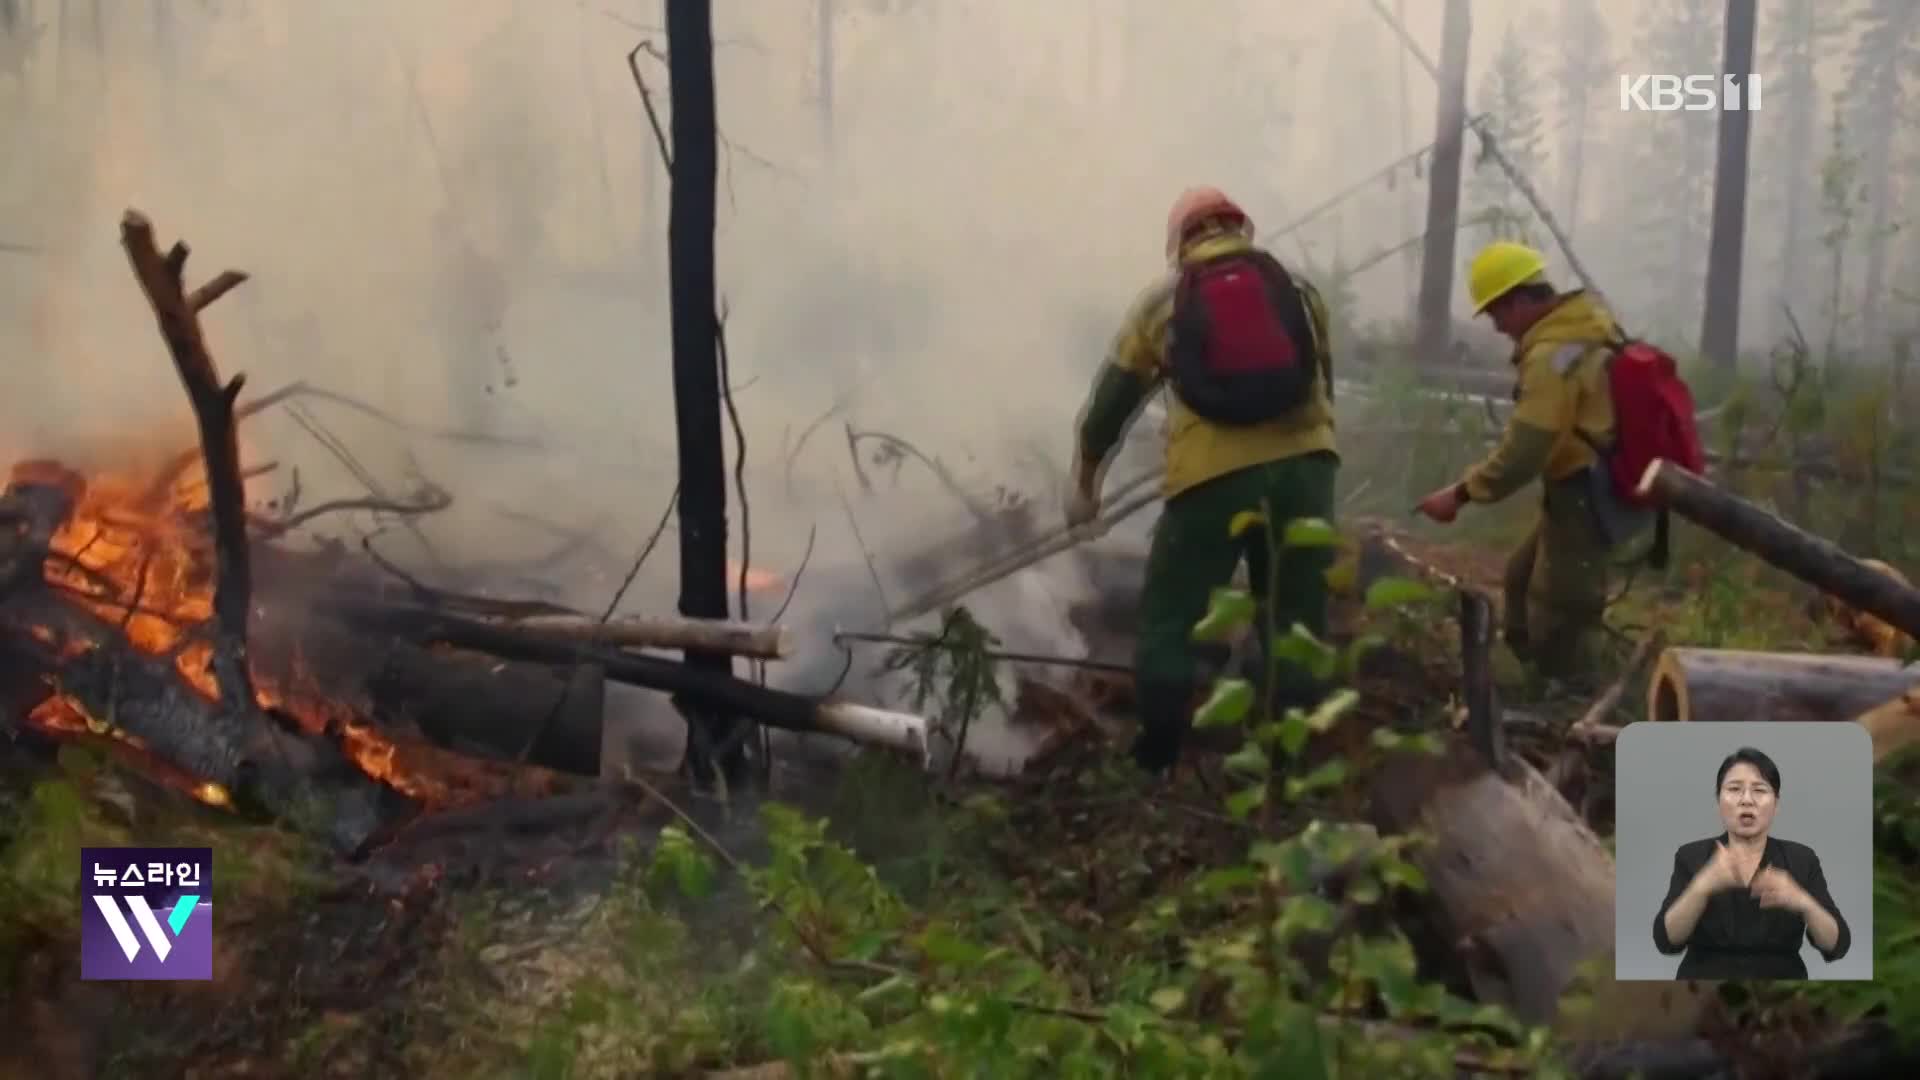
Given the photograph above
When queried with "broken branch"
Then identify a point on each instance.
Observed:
(178, 318)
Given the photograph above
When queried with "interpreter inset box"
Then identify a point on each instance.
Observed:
(1743, 851)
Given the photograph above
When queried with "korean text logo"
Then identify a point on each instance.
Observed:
(146, 913)
(1689, 93)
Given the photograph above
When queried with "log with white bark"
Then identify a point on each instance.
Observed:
(1814, 560)
(1893, 725)
(875, 727)
(760, 642)
(1735, 684)
(763, 704)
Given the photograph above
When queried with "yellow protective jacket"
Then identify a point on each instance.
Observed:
(1197, 450)
(1560, 392)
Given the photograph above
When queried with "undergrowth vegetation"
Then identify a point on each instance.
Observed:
(1092, 925)
(1273, 955)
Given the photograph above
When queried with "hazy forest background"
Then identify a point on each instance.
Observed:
(369, 161)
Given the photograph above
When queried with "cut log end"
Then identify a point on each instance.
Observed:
(1733, 684)
(878, 727)
(1667, 690)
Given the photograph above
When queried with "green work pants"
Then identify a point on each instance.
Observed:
(1556, 584)
(1194, 552)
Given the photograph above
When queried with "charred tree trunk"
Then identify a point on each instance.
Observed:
(696, 372)
(1711, 685)
(475, 704)
(1443, 190)
(1810, 558)
(1720, 323)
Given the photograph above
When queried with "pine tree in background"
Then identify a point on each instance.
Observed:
(1793, 36)
(1882, 81)
(1663, 176)
(1583, 65)
(1509, 95)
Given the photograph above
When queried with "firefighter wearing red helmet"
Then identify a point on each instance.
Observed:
(1240, 342)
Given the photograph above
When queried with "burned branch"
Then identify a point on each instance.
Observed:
(431, 500)
(178, 315)
(178, 465)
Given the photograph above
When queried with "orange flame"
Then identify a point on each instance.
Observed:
(143, 560)
(758, 580)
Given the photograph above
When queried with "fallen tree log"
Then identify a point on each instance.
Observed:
(1810, 558)
(666, 632)
(1524, 888)
(1732, 684)
(1894, 725)
(255, 762)
(478, 705)
(775, 708)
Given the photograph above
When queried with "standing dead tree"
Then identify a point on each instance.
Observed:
(1720, 322)
(178, 314)
(713, 742)
(234, 741)
(1443, 192)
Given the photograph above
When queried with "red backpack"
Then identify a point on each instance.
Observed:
(1242, 348)
(1652, 417)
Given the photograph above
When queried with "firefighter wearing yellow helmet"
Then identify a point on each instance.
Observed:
(1556, 580)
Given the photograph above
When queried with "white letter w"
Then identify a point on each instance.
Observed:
(123, 933)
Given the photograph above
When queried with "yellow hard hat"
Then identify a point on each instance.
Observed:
(1499, 268)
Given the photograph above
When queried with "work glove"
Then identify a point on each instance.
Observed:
(1082, 506)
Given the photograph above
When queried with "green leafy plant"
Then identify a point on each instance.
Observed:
(956, 668)
(1280, 963)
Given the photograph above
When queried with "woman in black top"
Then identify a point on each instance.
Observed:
(1740, 902)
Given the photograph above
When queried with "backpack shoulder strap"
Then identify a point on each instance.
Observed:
(1312, 305)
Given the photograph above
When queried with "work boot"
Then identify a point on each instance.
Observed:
(1166, 713)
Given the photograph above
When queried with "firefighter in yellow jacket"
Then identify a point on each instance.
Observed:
(1556, 580)
(1242, 344)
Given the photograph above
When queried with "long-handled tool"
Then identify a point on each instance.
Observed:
(1131, 501)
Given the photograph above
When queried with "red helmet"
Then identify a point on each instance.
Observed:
(1194, 206)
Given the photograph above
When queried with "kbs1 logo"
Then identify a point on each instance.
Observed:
(1689, 93)
(146, 913)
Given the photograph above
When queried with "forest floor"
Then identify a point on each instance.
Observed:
(558, 953)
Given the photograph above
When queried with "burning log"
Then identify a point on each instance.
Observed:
(157, 671)
(666, 632)
(775, 708)
(1731, 684)
(1810, 558)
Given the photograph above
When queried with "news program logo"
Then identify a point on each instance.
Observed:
(146, 913)
(1689, 93)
